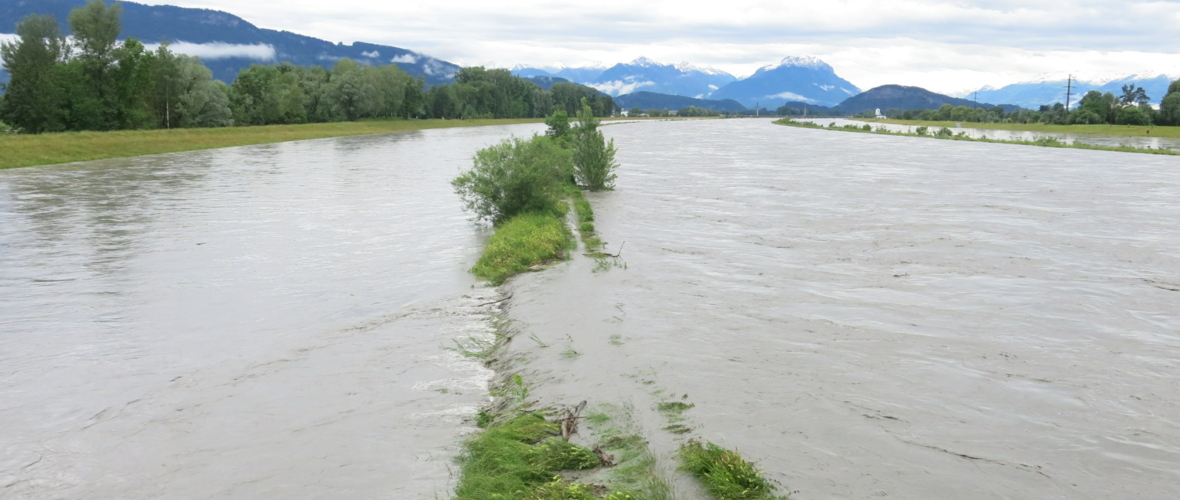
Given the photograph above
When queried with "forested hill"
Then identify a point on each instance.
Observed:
(902, 97)
(227, 43)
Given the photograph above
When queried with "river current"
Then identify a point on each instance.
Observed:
(865, 316)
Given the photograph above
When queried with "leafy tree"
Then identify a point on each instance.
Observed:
(635, 111)
(1133, 95)
(1085, 117)
(1133, 115)
(32, 100)
(96, 28)
(514, 177)
(594, 158)
(559, 126)
(1170, 109)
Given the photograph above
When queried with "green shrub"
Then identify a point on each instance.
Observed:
(519, 243)
(725, 474)
(586, 227)
(515, 177)
(594, 157)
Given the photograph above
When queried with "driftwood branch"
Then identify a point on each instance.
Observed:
(616, 255)
(569, 422)
(495, 301)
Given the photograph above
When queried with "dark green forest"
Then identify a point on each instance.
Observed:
(96, 82)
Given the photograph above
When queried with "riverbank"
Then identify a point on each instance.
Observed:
(950, 134)
(1104, 129)
(66, 147)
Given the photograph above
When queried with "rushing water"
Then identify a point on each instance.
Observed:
(256, 322)
(864, 315)
(871, 316)
(1017, 135)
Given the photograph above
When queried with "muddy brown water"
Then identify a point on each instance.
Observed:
(872, 316)
(256, 322)
(866, 316)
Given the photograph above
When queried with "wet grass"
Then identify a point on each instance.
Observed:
(634, 474)
(45, 149)
(585, 215)
(674, 407)
(947, 133)
(521, 243)
(724, 473)
(520, 458)
(1104, 129)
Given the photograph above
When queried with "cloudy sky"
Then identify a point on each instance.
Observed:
(946, 46)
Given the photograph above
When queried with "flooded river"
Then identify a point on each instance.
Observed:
(256, 322)
(864, 315)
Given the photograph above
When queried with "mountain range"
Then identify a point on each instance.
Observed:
(802, 79)
(651, 100)
(1043, 91)
(227, 43)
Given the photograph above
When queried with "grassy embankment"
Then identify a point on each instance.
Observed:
(45, 149)
(1104, 129)
(949, 134)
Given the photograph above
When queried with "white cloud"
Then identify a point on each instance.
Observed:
(219, 50)
(619, 87)
(371, 54)
(405, 59)
(945, 45)
(790, 96)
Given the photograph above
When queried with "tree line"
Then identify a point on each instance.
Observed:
(96, 82)
(1129, 108)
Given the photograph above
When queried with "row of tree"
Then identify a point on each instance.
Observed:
(96, 82)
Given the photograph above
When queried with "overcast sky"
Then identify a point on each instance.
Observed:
(945, 46)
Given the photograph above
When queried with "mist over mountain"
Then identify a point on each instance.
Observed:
(227, 43)
(641, 74)
(798, 79)
(651, 100)
(1034, 94)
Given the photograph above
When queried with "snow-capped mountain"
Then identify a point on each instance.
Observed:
(642, 74)
(1050, 90)
(799, 79)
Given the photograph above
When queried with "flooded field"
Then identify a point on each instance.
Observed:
(1016, 135)
(864, 315)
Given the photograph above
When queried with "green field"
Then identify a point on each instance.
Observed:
(46, 149)
(1116, 130)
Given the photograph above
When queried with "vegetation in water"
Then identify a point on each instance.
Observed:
(594, 157)
(724, 473)
(519, 458)
(521, 242)
(515, 177)
(634, 475)
(947, 133)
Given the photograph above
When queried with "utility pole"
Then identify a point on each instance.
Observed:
(1068, 91)
(976, 98)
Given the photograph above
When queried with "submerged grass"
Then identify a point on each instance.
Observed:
(1102, 129)
(45, 149)
(634, 475)
(586, 223)
(519, 459)
(947, 133)
(522, 242)
(724, 473)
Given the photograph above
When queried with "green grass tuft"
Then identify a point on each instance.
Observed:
(674, 407)
(516, 459)
(724, 473)
(522, 241)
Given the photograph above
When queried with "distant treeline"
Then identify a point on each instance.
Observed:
(1130, 108)
(99, 83)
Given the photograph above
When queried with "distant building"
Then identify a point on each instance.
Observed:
(879, 115)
